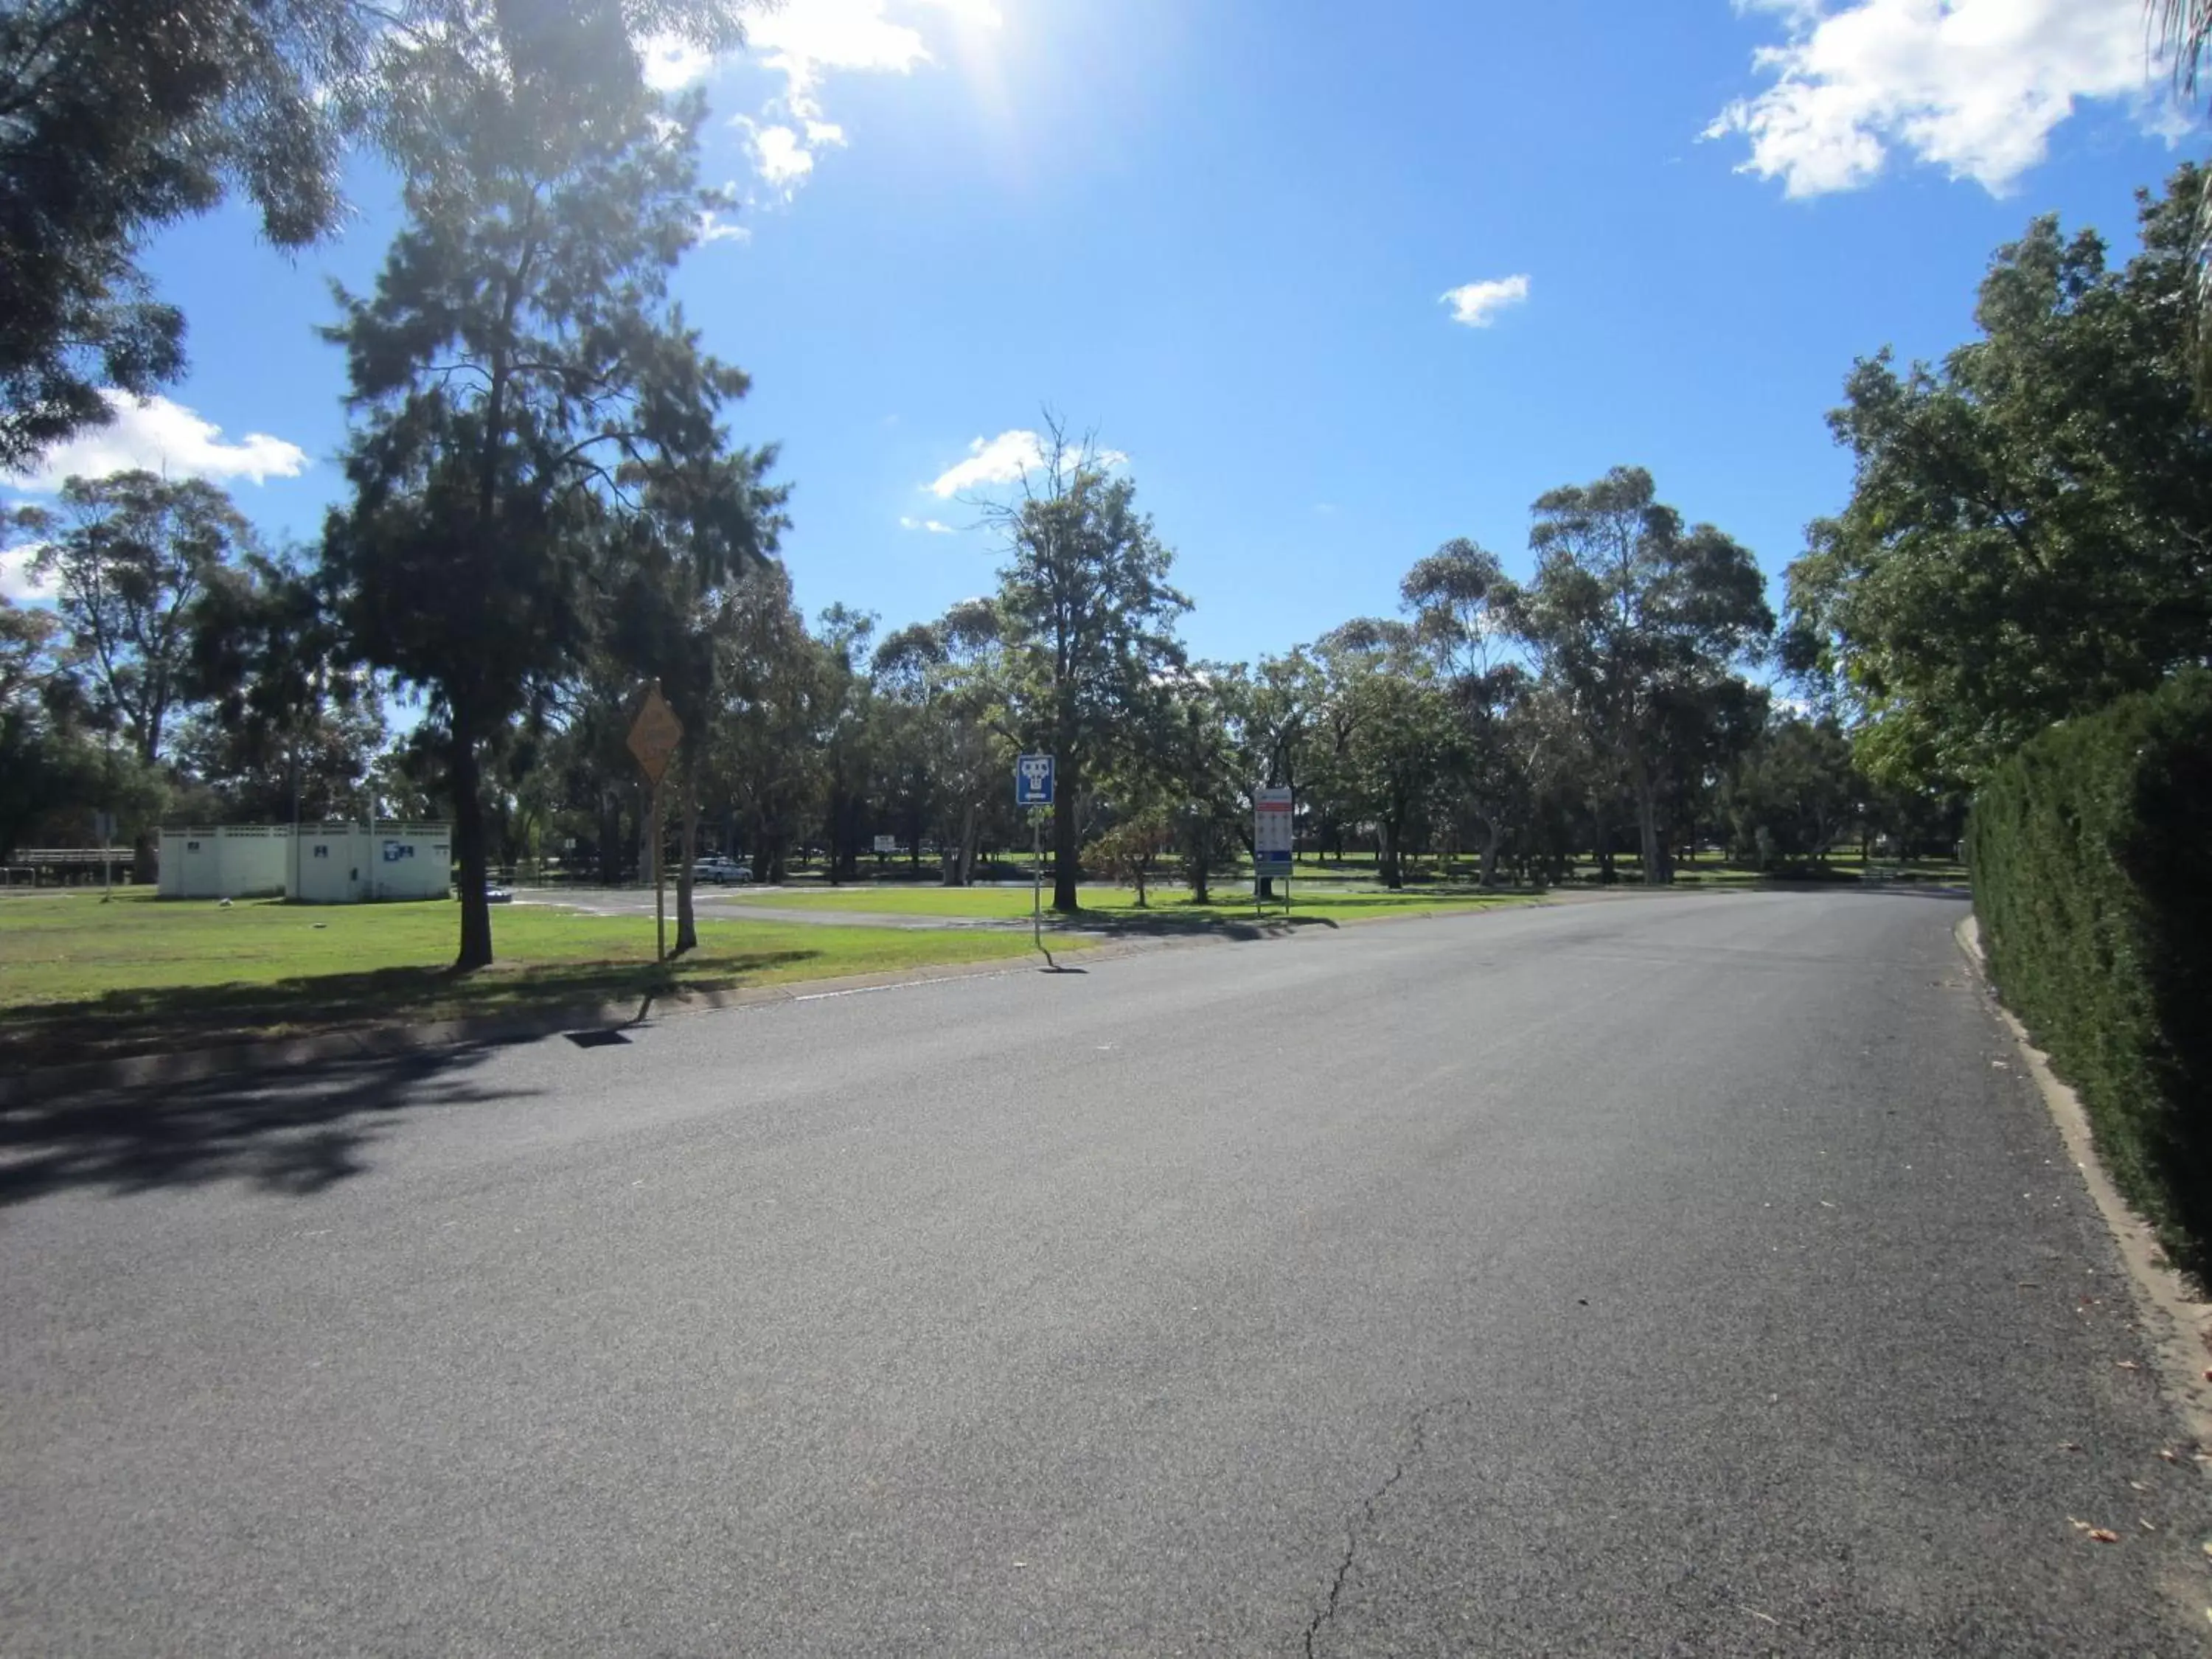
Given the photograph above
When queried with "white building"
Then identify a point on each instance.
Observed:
(326, 864)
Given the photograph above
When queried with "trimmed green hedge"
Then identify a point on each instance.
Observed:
(2092, 856)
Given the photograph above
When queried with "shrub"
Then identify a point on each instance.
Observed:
(2088, 850)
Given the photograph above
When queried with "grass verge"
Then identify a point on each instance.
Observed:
(80, 980)
(1116, 907)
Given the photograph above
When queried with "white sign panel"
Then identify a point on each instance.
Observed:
(1271, 837)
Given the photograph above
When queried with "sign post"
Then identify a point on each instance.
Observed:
(652, 738)
(1033, 788)
(1272, 812)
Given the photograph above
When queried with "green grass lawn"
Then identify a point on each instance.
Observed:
(1117, 906)
(80, 979)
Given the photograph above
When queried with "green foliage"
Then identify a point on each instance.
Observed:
(767, 760)
(525, 389)
(2088, 850)
(1396, 741)
(120, 117)
(1132, 850)
(1793, 794)
(284, 719)
(2027, 535)
(132, 559)
(1640, 622)
(1088, 620)
(948, 733)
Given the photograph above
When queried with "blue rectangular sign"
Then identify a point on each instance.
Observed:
(1033, 778)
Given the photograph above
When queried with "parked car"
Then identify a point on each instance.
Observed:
(721, 869)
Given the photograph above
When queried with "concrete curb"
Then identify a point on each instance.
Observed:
(2178, 1323)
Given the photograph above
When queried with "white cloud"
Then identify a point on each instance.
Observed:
(780, 158)
(930, 524)
(1477, 304)
(1975, 86)
(1011, 456)
(16, 581)
(672, 63)
(714, 227)
(160, 436)
(807, 41)
(991, 460)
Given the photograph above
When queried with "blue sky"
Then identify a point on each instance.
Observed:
(1221, 235)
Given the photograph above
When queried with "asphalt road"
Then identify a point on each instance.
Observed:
(1684, 1277)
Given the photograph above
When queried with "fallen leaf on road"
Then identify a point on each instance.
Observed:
(2078, 1526)
(2104, 1535)
(2144, 1524)
(2070, 1445)
(2138, 1485)
(2127, 1365)
(2166, 1452)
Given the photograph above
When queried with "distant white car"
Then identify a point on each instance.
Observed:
(721, 869)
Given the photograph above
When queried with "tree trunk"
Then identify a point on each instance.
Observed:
(1647, 824)
(1490, 839)
(955, 857)
(1064, 828)
(1386, 849)
(687, 926)
(608, 853)
(469, 849)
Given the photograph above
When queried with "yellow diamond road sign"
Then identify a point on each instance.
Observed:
(654, 738)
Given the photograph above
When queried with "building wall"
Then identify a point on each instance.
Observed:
(335, 863)
(408, 861)
(231, 860)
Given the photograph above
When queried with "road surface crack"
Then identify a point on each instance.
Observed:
(1363, 1521)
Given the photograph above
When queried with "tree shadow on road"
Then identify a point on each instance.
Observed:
(298, 1131)
(164, 1018)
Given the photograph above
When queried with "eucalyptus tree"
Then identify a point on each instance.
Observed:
(1635, 616)
(1398, 740)
(121, 116)
(950, 679)
(1088, 620)
(132, 558)
(287, 724)
(704, 520)
(1461, 603)
(518, 379)
(766, 751)
(2185, 32)
(2029, 532)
